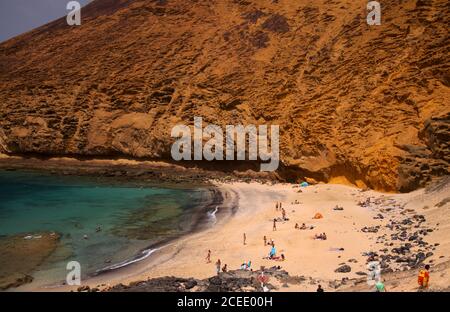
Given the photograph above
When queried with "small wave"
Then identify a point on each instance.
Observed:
(212, 214)
(143, 255)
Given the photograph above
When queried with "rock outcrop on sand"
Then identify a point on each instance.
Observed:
(367, 104)
(232, 281)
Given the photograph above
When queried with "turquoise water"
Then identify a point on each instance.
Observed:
(101, 223)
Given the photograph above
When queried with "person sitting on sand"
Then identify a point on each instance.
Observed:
(303, 227)
(319, 288)
(379, 287)
(321, 236)
(225, 269)
(296, 226)
(282, 257)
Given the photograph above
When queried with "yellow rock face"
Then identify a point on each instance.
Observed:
(366, 103)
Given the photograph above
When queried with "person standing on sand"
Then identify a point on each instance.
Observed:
(245, 239)
(274, 224)
(276, 207)
(424, 277)
(218, 265)
(283, 213)
(319, 288)
(208, 257)
(265, 240)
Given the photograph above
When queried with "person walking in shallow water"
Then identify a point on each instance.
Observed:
(274, 224)
(208, 257)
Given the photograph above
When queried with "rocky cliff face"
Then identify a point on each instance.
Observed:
(366, 103)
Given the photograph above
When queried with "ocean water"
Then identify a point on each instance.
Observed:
(130, 218)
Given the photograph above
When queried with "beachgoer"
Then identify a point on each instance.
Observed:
(324, 236)
(208, 257)
(98, 229)
(280, 205)
(273, 252)
(274, 224)
(303, 227)
(245, 239)
(319, 288)
(424, 277)
(276, 207)
(296, 226)
(283, 213)
(265, 240)
(85, 236)
(218, 265)
(282, 257)
(379, 286)
(224, 269)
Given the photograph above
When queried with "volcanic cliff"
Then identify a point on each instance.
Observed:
(369, 104)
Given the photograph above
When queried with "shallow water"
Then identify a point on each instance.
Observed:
(130, 218)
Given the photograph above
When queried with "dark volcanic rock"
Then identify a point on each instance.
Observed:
(343, 269)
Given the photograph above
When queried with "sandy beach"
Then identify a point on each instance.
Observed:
(364, 225)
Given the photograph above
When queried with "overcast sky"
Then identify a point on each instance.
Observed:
(19, 16)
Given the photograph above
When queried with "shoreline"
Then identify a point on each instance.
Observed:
(200, 222)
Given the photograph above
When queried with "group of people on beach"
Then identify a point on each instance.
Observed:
(423, 277)
(321, 236)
